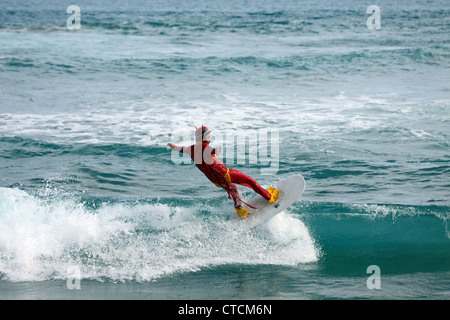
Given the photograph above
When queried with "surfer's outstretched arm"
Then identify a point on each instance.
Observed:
(172, 146)
(177, 148)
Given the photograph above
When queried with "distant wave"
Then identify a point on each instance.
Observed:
(305, 65)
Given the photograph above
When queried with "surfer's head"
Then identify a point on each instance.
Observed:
(202, 134)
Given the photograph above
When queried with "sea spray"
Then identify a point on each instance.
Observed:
(40, 239)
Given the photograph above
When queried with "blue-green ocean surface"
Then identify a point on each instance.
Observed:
(87, 182)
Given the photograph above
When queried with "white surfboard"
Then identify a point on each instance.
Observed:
(290, 190)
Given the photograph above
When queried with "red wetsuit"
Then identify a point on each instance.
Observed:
(204, 157)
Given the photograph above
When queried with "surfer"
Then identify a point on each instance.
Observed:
(205, 158)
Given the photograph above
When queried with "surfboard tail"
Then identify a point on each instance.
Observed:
(290, 189)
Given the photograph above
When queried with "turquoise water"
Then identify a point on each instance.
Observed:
(86, 179)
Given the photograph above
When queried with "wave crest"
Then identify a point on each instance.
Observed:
(42, 238)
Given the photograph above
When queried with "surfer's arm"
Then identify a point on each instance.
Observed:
(177, 148)
(174, 147)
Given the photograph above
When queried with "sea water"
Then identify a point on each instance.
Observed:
(93, 205)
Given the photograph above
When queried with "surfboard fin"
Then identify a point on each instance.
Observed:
(274, 194)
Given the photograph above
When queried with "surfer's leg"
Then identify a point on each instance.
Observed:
(247, 181)
(240, 209)
(235, 196)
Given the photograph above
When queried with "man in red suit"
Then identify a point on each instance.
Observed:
(205, 158)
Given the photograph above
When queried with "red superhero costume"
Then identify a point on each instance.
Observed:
(204, 157)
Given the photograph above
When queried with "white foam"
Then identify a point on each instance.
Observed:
(145, 121)
(41, 239)
(35, 236)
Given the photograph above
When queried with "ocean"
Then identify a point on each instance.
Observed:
(94, 205)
